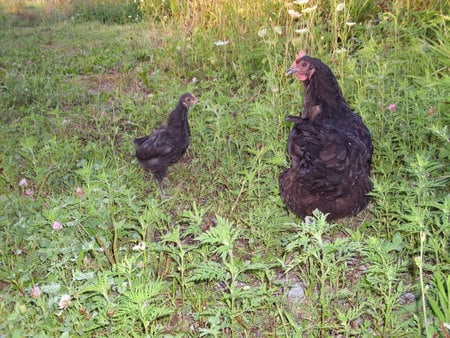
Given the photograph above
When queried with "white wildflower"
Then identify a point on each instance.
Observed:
(262, 32)
(340, 7)
(309, 9)
(278, 30)
(301, 2)
(293, 13)
(221, 42)
(350, 24)
(340, 51)
(301, 31)
(139, 247)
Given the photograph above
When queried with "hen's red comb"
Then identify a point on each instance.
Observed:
(301, 54)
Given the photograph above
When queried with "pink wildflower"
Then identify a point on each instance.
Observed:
(35, 291)
(57, 225)
(23, 182)
(79, 193)
(392, 107)
(64, 302)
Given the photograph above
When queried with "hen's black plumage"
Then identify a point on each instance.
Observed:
(330, 148)
(165, 145)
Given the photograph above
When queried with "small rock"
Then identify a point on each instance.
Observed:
(297, 293)
(406, 298)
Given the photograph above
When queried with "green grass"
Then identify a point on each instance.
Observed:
(222, 257)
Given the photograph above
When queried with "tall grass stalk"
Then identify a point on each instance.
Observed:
(419, 263)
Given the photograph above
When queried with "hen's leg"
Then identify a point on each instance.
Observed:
(159, 176)
(162, 192)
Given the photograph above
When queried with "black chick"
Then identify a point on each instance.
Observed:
(329, 146)
(165, 145)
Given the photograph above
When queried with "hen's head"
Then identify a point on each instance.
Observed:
(319, 81)
(187, 100)
(305, 66)
(302, 67)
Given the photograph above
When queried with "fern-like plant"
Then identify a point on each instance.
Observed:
(144, 304)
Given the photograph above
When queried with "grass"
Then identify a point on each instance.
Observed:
(79, 80)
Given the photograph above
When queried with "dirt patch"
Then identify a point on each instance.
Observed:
(112, 82)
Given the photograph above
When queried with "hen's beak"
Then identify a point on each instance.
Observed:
(291, 71)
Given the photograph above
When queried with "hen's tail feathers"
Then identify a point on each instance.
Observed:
(292, 118)
(140, 140)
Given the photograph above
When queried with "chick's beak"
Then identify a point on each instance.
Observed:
(291, 71)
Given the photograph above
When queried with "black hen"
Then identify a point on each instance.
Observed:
(165, 145)
(330, 148)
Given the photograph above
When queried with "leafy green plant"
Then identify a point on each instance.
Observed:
(383, 277)
(142, 304)
(321, 261)
(238, 297)
(439, 299)
(178, 253)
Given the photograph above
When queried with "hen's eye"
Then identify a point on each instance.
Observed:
(304, 64)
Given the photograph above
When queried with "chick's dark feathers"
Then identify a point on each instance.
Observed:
(165, 145)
